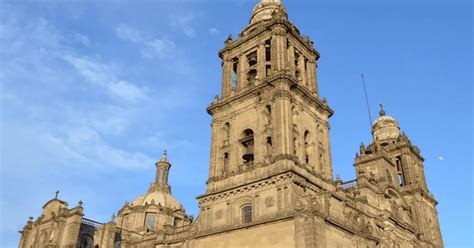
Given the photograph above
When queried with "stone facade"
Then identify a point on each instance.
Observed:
(270, 174)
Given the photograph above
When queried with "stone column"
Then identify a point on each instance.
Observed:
(279, 50)
(242, 72)
(214, 160)
(311, 75)
(316, 87)
(328, 152)
(291, 59)
(235, 158)
(301, 67)
(227, 67)
(282, 118)
(261, 62)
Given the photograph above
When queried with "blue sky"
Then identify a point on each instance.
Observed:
(93, 91)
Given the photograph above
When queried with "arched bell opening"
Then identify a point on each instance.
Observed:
(252, 59)
(252, 76)
(247, 141)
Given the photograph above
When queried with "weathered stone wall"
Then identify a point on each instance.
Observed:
(273, 235)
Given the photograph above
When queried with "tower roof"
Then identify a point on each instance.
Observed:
(265, 9)
(385, 127)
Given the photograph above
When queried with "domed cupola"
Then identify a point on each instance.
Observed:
(265, 9)
(157, 208)
(385, 128)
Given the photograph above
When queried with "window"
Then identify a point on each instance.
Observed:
(234, 74)
(247, 214)
(150, 219)
(400, 172)
(176, 221)
(268, 52)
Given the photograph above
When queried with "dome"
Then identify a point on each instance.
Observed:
(265, 9)
(158, 197)
(385, 127)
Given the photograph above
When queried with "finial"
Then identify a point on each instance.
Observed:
(164, 158)
(112, 218)
(338, 180)
(57, 193)
(382, 112)
(229, 40)
(30, 218)
(80, 202)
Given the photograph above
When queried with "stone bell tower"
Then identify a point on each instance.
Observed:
(269, 123)
(395, 166)
(269, 114)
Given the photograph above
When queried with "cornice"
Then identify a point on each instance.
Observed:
(267, 26)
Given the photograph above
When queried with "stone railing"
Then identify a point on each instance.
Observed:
(349, 184)
(92, 223)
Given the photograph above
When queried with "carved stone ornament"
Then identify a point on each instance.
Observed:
(299, 205)
(219, 214)
(269, 202)
(193, 230)
(279, 30)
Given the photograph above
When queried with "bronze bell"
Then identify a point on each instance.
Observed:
(252, 60)
(248, 154)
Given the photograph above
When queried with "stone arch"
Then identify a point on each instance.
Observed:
(85, 241)
(238, 205)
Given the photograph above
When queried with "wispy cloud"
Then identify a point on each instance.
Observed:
(213, 31)
(150, 47)
(82, 39)
(105, 75)
(72, 111)
(185, 23)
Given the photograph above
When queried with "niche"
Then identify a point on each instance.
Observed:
(307, 149)
(226, 162)
(269, 146)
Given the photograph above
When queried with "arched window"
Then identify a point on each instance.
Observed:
(226, 130)
(246, 214)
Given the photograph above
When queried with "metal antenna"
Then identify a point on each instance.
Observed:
(367, 100)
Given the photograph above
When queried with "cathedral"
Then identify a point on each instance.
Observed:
(271, 181)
